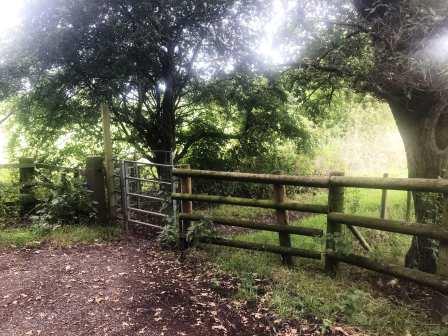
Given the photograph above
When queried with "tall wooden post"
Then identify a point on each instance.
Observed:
(441, 300)
(26, 175)
(408, 206)
(334, 230)
(384, 200)
(124, 196)
(96, 184)
(108, 160)
(187, 208)
(282, 217)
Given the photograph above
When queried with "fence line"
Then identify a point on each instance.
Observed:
(334, 210)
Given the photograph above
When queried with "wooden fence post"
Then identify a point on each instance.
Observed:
(186, 187)
(282, 217)
(27, 174)
(441, 300)
(108, 160)
(124, 196)
(408, 206)
(334, 229)
(96, 184)
(383, 200)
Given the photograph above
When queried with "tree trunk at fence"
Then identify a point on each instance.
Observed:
(164, 173)
(423, 124)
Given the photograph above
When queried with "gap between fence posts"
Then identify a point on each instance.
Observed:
(187, 208)
(334, 229)
(27, 174)
(279, 196)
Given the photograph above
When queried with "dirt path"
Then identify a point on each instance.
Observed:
(129, 288)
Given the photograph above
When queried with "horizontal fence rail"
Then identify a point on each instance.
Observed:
(262, 247)
(431, 280)
(316, 181)
(415, 229)
(410, 184)
(247, 224)
(267, 204)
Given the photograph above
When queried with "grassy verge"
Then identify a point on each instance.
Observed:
(351, 298)
(59, 237)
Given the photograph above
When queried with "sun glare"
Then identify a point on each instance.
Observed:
(437, 48)
(9, 14)
(9, 17)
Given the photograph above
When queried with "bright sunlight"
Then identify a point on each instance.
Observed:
(9, 17)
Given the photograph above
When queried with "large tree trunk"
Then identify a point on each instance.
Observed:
(423, 124)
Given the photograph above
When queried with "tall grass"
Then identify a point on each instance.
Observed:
(350, 298)
(57, 237)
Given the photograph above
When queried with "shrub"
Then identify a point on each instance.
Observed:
(66, 202)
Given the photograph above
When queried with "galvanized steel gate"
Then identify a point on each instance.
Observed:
(146, 189)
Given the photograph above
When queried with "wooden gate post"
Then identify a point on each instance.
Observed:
(108, 161)
(27, 174)
(282, 217)
(124, 196)
(187, 208)
(441, 301)
(96, 184)
(334, 230)
(408, 206)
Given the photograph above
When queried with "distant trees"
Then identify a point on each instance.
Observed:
(396, 51)
(145, 59)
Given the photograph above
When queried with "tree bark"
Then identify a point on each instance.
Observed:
(422, 122)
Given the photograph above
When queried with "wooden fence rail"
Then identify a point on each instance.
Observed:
(334, 210)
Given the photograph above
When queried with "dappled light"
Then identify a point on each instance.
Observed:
(224, 168)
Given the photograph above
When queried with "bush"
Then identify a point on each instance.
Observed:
(8, 203)
(67, 202)
(271, 160)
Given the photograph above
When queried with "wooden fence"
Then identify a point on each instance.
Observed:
(333, 209)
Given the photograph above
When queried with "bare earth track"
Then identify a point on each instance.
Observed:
(126, 288)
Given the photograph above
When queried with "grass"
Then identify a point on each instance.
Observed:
(58, 237)
(351, 298)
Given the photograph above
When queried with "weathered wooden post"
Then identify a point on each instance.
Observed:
(187, 208)
(282, 217)
(441, 301)
(124, 196)
(108, 160)
(96, 184)
(408, 206)
(334, 229)
(26, 175)
(383, 200)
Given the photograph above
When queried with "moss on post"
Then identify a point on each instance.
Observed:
(27, 175)
(187, 208)
(334, 229)
(279, 196)
(96, 185)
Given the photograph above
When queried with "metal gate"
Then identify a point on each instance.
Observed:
(146, 189)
